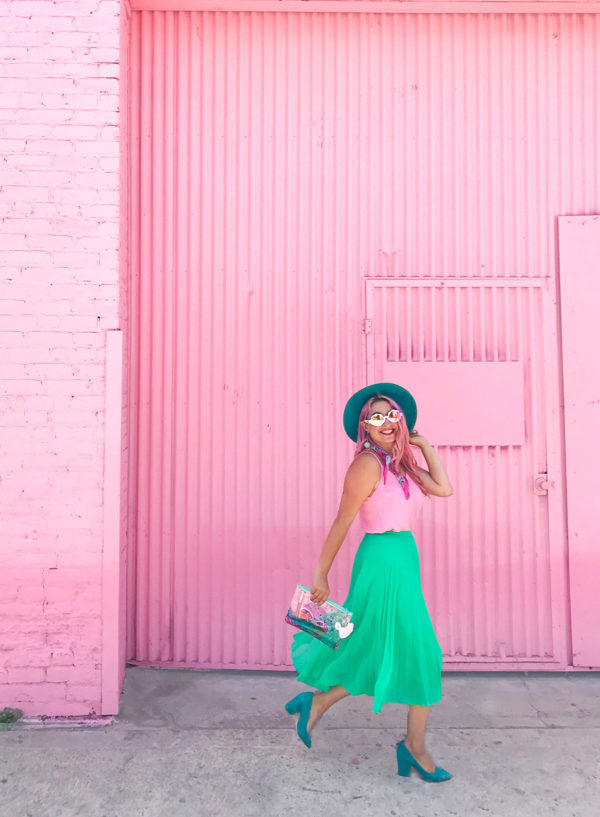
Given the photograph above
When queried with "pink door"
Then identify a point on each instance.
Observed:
(477, 355)
(276, 159)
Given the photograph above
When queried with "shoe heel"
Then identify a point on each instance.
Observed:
(404, 768)
(301, 704)
(292, 707)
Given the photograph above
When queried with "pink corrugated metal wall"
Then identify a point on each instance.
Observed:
(280, 161)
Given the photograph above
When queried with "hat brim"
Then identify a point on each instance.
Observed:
(355, 404)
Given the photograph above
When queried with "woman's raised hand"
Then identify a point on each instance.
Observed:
(419, 440)
(435, 480)
(320, 589)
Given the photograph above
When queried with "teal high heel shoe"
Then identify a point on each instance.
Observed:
(406, 760)
(302, 704)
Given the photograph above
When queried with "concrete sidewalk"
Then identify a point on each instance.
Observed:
(220, 744)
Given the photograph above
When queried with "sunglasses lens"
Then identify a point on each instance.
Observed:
(393, 416)
(377, 420)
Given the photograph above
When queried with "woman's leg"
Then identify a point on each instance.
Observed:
(322, 701)
(415, 736)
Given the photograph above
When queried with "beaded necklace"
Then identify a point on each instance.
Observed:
(386, 460)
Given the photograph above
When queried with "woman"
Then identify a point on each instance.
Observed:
(392, 653)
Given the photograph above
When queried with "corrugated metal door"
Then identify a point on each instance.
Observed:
(277, 160)
(478, 356)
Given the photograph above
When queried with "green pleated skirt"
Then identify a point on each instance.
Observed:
(393, 653)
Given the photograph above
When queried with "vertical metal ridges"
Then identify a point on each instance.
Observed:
(277, 160)
(486, 558)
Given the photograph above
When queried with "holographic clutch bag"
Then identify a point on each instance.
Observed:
(329, 622)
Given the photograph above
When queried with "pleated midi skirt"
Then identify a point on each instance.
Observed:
(393, 653)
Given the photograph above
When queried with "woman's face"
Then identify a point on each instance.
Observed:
(381, 435)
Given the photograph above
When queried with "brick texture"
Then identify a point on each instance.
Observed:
(63, 282)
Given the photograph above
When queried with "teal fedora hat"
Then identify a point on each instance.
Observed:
(354, 405)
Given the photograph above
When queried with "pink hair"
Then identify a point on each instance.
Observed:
(403, 459)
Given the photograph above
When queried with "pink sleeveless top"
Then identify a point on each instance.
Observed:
(388, 508)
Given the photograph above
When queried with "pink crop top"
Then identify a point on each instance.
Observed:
(388, 508)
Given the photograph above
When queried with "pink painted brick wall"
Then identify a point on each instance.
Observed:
(59, 259)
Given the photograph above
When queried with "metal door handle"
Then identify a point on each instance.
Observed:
(540, 484)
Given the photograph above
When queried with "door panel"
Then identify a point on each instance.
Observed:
(465, 388)
(472, 353)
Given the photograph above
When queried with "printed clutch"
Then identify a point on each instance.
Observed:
(329, 622)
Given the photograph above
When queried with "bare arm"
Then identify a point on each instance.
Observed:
(361, 478)
(435, 480)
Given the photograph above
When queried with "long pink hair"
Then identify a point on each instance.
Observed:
(403, 459)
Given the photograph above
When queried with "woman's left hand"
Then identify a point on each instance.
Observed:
(435, 480)
(419, 440)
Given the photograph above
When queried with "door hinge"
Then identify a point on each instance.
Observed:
(367, 326)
